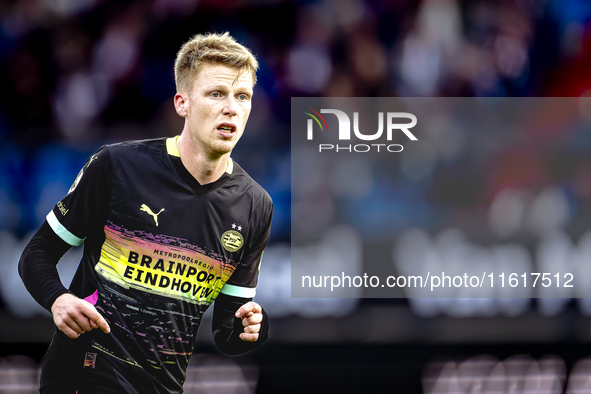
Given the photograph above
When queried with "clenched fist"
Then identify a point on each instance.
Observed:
(252, 316)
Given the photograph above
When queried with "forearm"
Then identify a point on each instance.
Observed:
(37, 266)
(227, 327)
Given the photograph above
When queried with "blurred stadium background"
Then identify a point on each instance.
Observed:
(76, 74)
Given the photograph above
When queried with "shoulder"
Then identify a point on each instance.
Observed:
(146, 154)
(250, 186)
(124, 149)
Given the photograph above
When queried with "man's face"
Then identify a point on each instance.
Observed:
(217, 108)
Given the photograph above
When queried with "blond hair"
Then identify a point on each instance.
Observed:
(211, 48)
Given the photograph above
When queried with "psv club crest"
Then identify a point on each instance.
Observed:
(232, 240)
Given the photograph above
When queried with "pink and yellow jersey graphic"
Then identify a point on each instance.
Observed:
(148, 264)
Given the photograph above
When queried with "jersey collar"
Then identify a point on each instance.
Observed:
(173, 150)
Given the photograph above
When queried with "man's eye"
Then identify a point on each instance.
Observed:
(243, 97)
(215, 94)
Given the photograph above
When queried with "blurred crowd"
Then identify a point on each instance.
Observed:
(518, 373)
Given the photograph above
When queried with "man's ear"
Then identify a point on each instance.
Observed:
(181, 103)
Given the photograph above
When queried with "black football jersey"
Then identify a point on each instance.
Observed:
(157, 252)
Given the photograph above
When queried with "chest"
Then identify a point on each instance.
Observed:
(157, 205)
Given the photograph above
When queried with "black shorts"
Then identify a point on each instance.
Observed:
(73, 366)
(75, 389)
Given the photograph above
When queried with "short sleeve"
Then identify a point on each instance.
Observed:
(244, 280)
(85, 205)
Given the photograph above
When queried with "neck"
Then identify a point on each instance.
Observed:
(204, 167)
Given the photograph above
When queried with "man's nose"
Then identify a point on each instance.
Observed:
(230, 107)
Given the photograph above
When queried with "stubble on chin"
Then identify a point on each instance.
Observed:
(217, 149)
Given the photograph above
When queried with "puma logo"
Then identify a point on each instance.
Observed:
(147, 209)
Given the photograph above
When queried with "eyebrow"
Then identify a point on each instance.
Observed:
(217, 87)
(223, 87)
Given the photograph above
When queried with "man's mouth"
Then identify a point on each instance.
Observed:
(227, 128)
